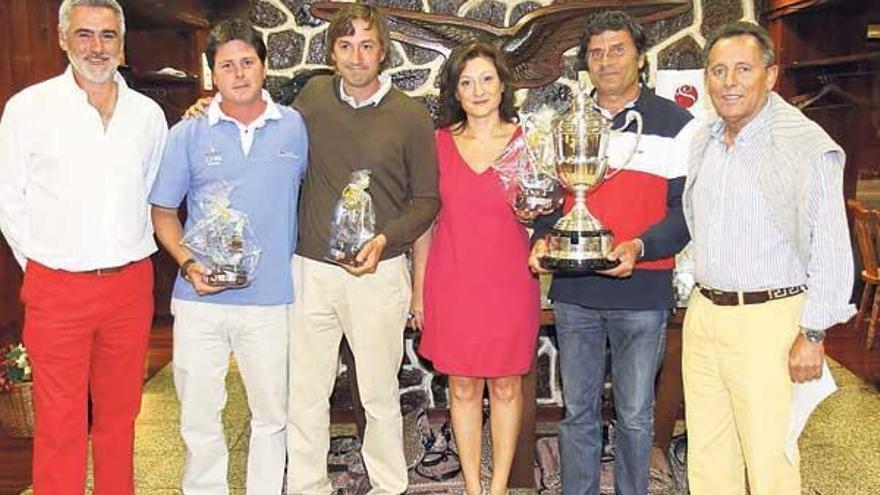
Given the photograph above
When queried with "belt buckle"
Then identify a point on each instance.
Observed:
(717, 296)
(103, 272)
(714, 295)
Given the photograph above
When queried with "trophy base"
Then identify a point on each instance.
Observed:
(342, 259)
(577, 266)
(578, 251)
(228, 278)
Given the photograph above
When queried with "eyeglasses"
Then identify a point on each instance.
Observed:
(615, 51)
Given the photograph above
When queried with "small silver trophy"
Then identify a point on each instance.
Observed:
(578, 242)
(526, 169)
(223, 240)
(354, 222)
(541, 191)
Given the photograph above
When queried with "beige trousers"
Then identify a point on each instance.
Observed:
(738, 396)
(371, 312)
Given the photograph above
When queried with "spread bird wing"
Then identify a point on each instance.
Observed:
(541, 37)
(438, 32)
(534, 45)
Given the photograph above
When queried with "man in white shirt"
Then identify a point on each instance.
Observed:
(78, 154)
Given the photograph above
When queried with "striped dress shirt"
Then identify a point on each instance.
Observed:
(738, 244)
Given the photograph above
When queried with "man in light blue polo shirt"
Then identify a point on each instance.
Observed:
(259, 149)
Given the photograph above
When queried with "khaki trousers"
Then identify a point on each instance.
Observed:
(738, 396)
(370, 311)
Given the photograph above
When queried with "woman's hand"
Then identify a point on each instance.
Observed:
(420, 260)
(199, 108)
(416, 311)
(539, 251)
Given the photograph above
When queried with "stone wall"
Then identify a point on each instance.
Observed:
(296, 42)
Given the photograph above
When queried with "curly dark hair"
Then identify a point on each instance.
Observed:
(451, 112)
(613, 20)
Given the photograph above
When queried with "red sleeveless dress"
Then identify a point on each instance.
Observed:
(481, 302)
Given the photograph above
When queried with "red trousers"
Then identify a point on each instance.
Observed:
(87, 336)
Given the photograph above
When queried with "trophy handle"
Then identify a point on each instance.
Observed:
(537, 157)
(631, 116)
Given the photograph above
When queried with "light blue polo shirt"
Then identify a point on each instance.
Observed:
(265, 185)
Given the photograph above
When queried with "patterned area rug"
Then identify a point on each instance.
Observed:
(839, 449)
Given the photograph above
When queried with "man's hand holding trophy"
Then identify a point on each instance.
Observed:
(578, 242)
(225, 249)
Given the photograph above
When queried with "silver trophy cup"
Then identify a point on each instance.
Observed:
(578, 242)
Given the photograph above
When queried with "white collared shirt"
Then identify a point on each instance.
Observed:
(73, 195)
(246, 132)
(607, 113)
(374, 100)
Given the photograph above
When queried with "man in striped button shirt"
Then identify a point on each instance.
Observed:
(773, 262)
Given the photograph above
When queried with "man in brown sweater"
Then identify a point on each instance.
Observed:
(356, 120)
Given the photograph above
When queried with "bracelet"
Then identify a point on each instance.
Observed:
(184, 267)
(641, 244)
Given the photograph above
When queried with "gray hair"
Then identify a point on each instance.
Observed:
(68, 5)
(742, 28)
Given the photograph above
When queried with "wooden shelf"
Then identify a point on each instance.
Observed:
(155, 78)
(159, 78)
(183, 14)
(831, 61)
(782, 8)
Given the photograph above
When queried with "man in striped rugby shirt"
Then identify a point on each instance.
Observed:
(625, 307)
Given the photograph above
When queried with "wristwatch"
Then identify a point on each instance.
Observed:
(813, 335)
(184, 266)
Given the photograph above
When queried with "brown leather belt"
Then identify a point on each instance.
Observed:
(104, 271)
(723, 298)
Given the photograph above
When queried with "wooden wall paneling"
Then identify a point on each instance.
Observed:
(48, 59)
(11, 310)
(19, 47)
(816, 35)
(5, 53)
(29, 53)
(34, 41)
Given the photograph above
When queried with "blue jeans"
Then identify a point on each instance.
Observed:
(637, 339)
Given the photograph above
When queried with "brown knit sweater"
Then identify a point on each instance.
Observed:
(394, 140)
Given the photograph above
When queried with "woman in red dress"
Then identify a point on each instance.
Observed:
(474, 297)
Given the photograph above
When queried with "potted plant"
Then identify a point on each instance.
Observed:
(16, 391)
